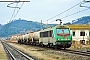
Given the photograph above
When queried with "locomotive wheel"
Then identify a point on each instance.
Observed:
(64, 48)
(68, 46)
(55, 46)
(41, 44)
(50, 45)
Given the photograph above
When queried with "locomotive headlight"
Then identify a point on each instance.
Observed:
(69, 43)
(58, 39)
(68, 39)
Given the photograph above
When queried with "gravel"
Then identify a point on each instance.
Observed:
(48, 54)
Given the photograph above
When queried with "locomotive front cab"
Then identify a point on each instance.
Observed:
(63, 36)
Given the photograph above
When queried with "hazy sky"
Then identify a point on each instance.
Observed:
(37, 10)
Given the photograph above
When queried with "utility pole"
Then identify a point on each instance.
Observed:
(47, 23)
(59, 20)
(41, 24)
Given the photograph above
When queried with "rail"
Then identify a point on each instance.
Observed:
(7, 47)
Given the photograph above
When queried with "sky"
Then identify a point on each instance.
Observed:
(37, 10)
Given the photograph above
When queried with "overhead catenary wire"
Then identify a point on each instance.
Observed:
(18, 11)
(64, 11)
(15, 9)
(70, 15)
(76, 12)
(9, 5)
(13, 13)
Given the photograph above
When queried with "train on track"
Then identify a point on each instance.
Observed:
(57, 37)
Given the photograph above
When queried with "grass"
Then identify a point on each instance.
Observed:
(80, 47)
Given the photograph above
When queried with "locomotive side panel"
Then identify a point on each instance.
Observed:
(46, 37)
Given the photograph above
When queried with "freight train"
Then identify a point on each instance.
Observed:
(57, 37)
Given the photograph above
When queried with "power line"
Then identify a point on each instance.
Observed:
(18, 10)
(13, 12)
(74, 13)
(14, 15)
(71, 14)
(63, 11)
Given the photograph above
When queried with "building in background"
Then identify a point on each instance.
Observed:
(80, 34)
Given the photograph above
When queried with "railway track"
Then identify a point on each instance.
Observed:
(59, 52)
(77, 52)
(15, 54)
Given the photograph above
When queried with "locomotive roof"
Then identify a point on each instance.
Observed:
(58, 26)
(61, 26)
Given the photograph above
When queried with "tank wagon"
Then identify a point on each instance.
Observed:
(20, 39)
(58, 36)
(25, 38)
(28, 38)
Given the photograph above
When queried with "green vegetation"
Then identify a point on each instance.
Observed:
(20, 27)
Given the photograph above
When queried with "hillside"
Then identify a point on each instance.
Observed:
(20, 27)
(82, 20)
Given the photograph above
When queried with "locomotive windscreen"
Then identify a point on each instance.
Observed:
(62, 32)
